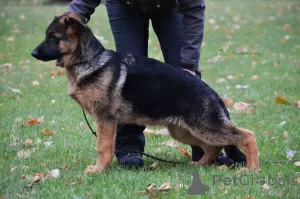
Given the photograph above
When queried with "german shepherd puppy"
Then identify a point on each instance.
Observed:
(118, 88)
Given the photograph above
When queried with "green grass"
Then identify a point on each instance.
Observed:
(261, 28)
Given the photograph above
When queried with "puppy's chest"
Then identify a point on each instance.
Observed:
(88, 96)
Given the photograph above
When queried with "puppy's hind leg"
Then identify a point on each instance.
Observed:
(227, 134)
(210, 154)
(249, 146)
(184, 136)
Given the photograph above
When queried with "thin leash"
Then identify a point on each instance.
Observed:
(130, 150)
(163, 160)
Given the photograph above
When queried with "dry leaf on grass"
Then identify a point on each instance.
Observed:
(298, 103)
(228, 102)
(287, 27)
(273, 139)
(265, 186)
(281, 100)
(39, 177)
(48, 143)
(154, 165)
(25, 153)
(54, 173)
(47, 132)
(35, 83)
(32, 122)
(28, 142)
(57, 73)
(297, 164)
(240, 107)
(184, 152)
(249, 197)
(80, 181)
(289, 153)
(171, 143)
(254, 77)
(266, 133)
(285, 135)
(163, 131)
(6, 65)
(164, 187)
(152, 190)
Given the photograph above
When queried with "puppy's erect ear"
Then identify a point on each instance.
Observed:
(73, 23)
(72, 26)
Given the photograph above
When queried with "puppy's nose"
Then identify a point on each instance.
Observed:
(35, 53)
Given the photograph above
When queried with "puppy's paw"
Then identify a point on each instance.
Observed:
(193, 163)
(91, 169)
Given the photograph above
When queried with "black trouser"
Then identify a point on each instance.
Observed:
(130, 30)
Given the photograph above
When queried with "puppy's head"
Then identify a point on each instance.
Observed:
(64, 39)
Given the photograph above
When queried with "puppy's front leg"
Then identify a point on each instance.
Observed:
(105, 145)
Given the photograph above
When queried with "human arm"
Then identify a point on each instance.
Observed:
(84, 8)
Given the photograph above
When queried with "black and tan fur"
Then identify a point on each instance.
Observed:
(118, 88)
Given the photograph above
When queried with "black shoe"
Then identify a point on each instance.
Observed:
(224, 160)
(131, 160)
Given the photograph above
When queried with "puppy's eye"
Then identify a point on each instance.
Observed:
(53, 39)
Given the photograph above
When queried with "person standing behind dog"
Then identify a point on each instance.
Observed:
(178, 25)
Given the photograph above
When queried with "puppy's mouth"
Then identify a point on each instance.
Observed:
(59, 63)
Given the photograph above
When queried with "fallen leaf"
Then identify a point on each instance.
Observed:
(57, 73)
(22, 17)
(285, 135)
(12, 169)
(297, 164)
(245, 87)
(163, 131)
(47, 144)
(28, 142)
(6, 65)
(41, 119)
(164, 187)
(289, 153)
(298, 103)
(184, 152)
(287, 27)
(249, 197)
(80, 181)
(250, 111)
(254, 77)
(39, 177)
(266, 186)
(35, 83)
(282, 123)
(54, 173)
(273, 139)
(25, 153)
(10, 38)
(280, 100)
(170, 143)
(32, 122)
(47, 132)
(151, 189)
(266, 133)
(154, 165)
(240, 107)
(275, 64)
(228, 102)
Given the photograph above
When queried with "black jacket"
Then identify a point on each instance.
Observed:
(193, 23)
